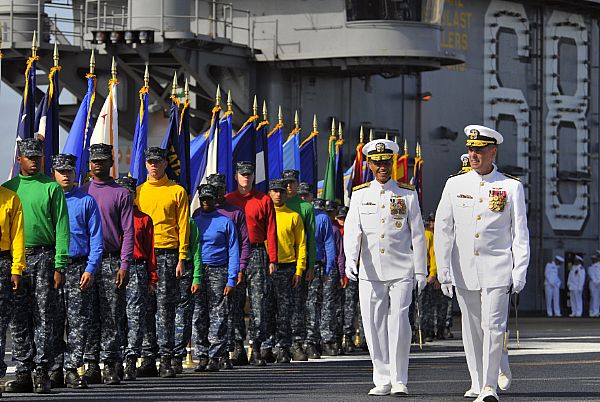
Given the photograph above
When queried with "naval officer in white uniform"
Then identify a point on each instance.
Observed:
(384, 242)
(482, 248)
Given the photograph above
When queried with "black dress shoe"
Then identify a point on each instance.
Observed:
(130, 372)
(93, 374)
(213, 364)
(267, 355)
(41, 382)
(22, 384)
(73, 380)
(57, 378)
(201, 366)
(312, 352)
(147, 368)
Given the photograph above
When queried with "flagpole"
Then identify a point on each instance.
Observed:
(174, 85)
(229, 103)
(296, 121)
(370, 135)
(255, 107)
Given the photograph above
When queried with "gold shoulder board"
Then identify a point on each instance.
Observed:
(511, 177)
(406, 186)
(364, 185)
(457, 174)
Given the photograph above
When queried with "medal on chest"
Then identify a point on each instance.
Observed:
(497, 200)
(397, 209)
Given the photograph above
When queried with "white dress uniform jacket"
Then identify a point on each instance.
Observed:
(481, 238)
(594, 275)
(385, 227)
(551, 275)
(576, 278)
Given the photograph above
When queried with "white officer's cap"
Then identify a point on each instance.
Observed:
(579, 258)
(559, 258)
(380, 150)
(481, 136)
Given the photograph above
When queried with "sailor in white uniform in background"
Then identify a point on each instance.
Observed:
(384, 242)
(575, 283)
(594, 275)
(552, 286)
(482, 248)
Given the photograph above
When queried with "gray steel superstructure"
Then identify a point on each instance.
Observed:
(528, 68)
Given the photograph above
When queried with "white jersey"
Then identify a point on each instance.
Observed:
(385, 230)
(481, 238)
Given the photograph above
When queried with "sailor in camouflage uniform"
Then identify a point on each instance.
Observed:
(85, 252)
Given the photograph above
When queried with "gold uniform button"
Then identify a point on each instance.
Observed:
(382, 192)
(398, 225)
(383, 221)
(481, 200)
(382, 235)
(477, 235)
(478, 217)
(476, 253)
(383, 206)
(381, 251)
(482, 184)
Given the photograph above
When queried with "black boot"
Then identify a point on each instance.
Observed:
(130, 372)
(240, 358)
(256, 359)
(283, 355)
(330, 349)
(110, 374)
(147, 368)
(22, 384)
(201, 366)
(213, 364)
(267, 355)
(298, 353)
(57, 378)
(164, 369)
(347, 344)
(93, 375)
(312, 352)
(41, 382)
(225, 363)
(177, 364)
(73, 380)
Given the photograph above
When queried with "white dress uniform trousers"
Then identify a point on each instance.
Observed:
(481, 244)
(384, 231)
(575, 283)
(552, 288)
(594, 275)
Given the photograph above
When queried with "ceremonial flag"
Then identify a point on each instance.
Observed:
(185, 175)
(25, 124)
(212, 152)
(418, 175)
(244, 142)
(348, 184)
(291, 152)
(261, 177)
(357, 174)
(225, 150)
(106, 130)
(198, 158)
(46, 120)
(308, 159)
(137, 165)
(170, 142)
(329, 180)
(203, 156)
(339, 170)
(400, 173)
(275, 151)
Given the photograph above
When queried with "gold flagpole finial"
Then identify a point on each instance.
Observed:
(280, 116)
(333, 127)
(315, 123)
(371, 134)
(361, 137)
(34, 46)
(296, 120)
(387, 136)
(396, 139)
(340, 132)
(186, 89)
(218, 96)
(174, 84)
(229, 102)
(265, 110)
(418, 151)
(405, 147)
(55, 55)
(255, 107)
(113, 69)
(146, 76)
(92, 62)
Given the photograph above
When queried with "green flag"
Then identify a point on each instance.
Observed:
(329, 181)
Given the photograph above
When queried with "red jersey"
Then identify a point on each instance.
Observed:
(143, 245)
(260, 218)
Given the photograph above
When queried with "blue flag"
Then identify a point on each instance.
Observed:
(244, 142)
(46, 120)
(291, 151)
(25, 124)
(261, 176)
(78, 140)
(137, 165)
(308, 160)
(274, 146)
(225, 150)
(171, 143)
(185, 176)
(198, 158)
